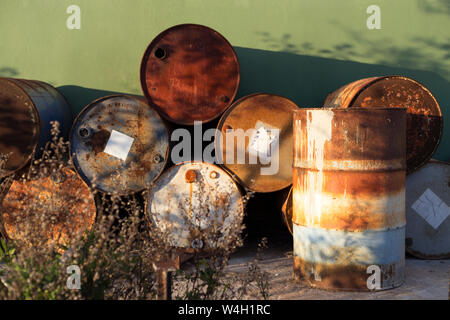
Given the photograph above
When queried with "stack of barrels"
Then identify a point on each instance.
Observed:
(346, 209)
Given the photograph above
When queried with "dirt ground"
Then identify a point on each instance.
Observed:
(425, 279)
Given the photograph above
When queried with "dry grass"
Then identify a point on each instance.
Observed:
(116, 256)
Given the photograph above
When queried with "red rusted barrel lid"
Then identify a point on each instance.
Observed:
(424, 116)
(190, 73)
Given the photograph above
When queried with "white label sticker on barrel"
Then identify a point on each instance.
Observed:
(430, 207)
(262, 141)
(118, 145)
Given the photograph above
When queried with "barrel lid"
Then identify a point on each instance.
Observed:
(19, 126)
(428, 211)
(119, 144)
(192, 197)
(261, 112)
(190, 73)
(62, 196)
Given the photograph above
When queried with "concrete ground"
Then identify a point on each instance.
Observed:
(425, 279)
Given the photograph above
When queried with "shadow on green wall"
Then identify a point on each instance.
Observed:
(80, 97)
(304, 79)
(307, 80)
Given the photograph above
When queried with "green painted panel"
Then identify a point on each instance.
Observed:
(301, 49)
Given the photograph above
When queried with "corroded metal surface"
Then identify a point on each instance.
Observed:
(63, 199)
(424, 116)
(119, 144)
(254, 112)
(349, 196)
(26, 109)
(190, 73)
(427, 211)
(191, 198)
(286, 210)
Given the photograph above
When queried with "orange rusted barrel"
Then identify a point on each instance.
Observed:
(190, 73)
(198, 204)
(119, 145)
(254, 141)
(27, 108)
(349, 197)
(62, 199)
(424, 116)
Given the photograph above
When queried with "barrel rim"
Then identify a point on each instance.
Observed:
(381, 78)
(30, 156)
(72, 129)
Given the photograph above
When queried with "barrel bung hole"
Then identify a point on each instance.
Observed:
(83, 132)
(160, 53)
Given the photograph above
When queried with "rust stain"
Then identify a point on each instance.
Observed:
(27, 201)
(98, 141)
(343, 277)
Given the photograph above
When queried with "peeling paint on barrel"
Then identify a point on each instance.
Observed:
(424, 115)
(192, 197)
(348, 201)
(61, 197)
(119, 144)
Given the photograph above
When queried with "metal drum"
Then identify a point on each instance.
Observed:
(427, 211)
(258, 124)
(62, 198)
(190, 73)
(26, 109)
(424, 116)
(349, 197)
(192, 199)
(119, 145)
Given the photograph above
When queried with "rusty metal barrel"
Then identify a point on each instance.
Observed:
(62, 199)
(349, 197)
(119, 145)
(27, 108)
(428, 211)
(190, 201)
(190, 73)
(424, 116)
(256, 126)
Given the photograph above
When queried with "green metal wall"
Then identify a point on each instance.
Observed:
(301, 49)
